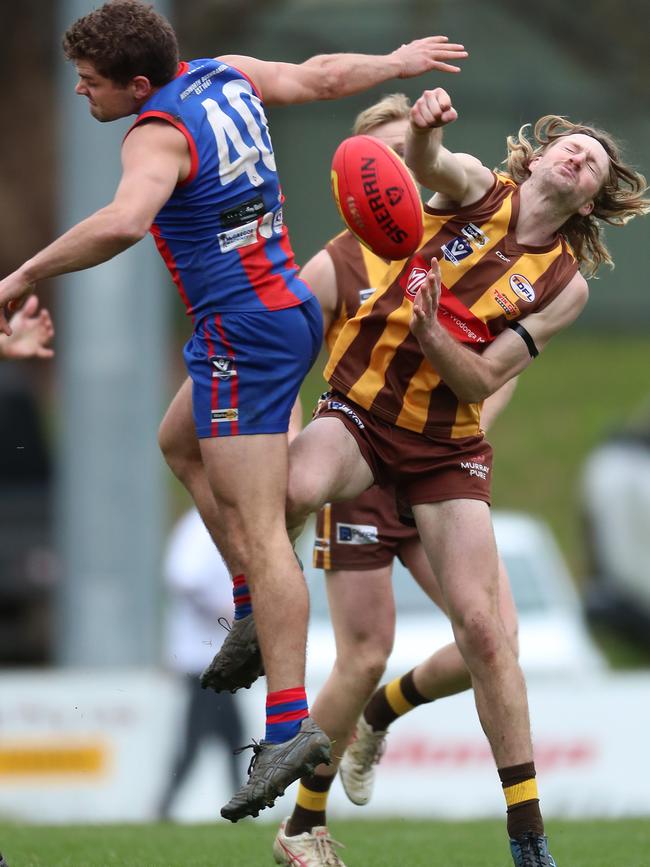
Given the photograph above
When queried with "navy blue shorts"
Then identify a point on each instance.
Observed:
(247, 368)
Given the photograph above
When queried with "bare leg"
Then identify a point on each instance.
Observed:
(248, 478)
(180, 447)
(459, 541)
(444, 673)
(325, 465)
(362, 610)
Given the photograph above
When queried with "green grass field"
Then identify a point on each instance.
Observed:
(391, 843)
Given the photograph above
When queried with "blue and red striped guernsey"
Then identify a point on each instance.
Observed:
(241, 597)
(285, 711)
(221, 233)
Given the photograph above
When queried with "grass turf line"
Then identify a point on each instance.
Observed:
(390, 843)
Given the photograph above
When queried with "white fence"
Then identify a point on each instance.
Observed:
(97, 747)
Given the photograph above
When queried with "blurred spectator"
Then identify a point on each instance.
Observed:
(200, 594)
(27, 561)
(616, 510)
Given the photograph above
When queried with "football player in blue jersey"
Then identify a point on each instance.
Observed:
(199, 173)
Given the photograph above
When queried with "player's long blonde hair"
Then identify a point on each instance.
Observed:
(619, 199)
(393, 106)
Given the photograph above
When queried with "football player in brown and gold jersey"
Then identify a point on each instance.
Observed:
(497, 275)
(356, 543)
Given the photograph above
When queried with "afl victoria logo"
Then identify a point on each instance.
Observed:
(522, 287)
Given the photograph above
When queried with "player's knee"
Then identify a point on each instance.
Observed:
(480, 636)
(302, 500)
(366, 657)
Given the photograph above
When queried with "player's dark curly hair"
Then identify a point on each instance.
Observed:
(122, 39)
(620, 198)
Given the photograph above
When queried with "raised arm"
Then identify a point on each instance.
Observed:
(330, 76)
(458, 179)
(154, 157)
(473, 377)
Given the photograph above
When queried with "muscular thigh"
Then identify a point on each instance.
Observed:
(325, 464)
(177, 434)
(459, 541)
(248, 474)
(362, 608)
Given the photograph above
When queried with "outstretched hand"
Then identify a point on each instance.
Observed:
(12, 289)
(432, 52)
(433, 109)
(31, 332)
(425, 305)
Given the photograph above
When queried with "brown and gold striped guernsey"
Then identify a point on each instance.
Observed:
(358, 272)
(488, 281)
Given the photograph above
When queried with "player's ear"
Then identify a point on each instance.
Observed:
(532, 165)
(586, 209)
(141, 86)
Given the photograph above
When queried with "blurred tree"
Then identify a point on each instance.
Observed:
(601, 35)
(28, 145)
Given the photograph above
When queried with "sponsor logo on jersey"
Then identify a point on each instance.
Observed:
(460, 247)
(227, 415)
(198, 86)
(339, 406)
(242, 213)
(415, 279)
(364, 294)
(502, 256)
(266, 226)
(456, 250)
(278, 221)
(460, 325)
(506, 304)
(522, 287)
(223, 367)
(473, 233)
(242, 236)
(475, 468)
(356, 534)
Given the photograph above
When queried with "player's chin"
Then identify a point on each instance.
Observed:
(99, 115)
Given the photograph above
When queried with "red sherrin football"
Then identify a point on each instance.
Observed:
(377, 197)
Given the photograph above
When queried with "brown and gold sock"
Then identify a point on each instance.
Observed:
(391, 701)
(311, 804)
(522, 799)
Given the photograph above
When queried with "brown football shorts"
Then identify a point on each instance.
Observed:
(422, 469)
(359, 534)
